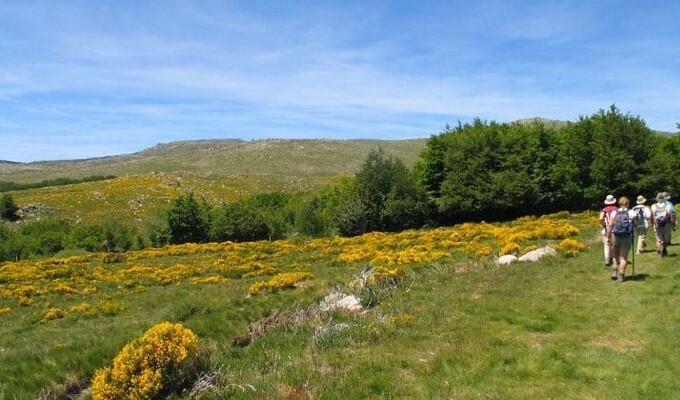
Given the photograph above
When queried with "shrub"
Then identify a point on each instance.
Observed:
(159, 363)
(239, 222)
(8, 208)
(280, 281)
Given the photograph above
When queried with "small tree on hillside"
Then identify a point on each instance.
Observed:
(239, 222)
(8, 208)
(187, 221)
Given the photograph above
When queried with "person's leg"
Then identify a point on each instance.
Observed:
(615, 258)
(622, 256)
(666, 239)
(641, 244)
(606, 248)
(660, 241)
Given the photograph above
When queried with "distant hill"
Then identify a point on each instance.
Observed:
(549, 122)
(224, 158)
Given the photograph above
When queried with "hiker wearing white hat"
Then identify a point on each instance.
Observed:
(644, 216)
(622, 224)
(674, 217)
(664, 222)
(609, 207)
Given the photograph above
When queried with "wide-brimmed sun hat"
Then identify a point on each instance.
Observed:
(641, 199)
(661, 196)
(666, 195)
(610, 199)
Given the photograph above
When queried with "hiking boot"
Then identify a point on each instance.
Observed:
(615, 274)
(621, 278)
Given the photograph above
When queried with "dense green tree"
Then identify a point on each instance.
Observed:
(277, 209)
(89, 237)
(383, 195)
(43, 237)
(621, 146)
(238, 222)
(521, 184)
(499, 171)
(570, 172)
(407, 205)
(665, 166)
(187, 220)
(350, 213)
(8, 208)
(310, 218)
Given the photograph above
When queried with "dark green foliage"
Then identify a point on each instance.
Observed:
(8, 208)
(238, 222)
(38, 238)
(187, 221)
(48, 237)
(7, 186)
(109, 236)
(310, 216)
(278, 211)
(621, 147)
(350, 214)
(490, 171)
(665, 165)
(155, 230)
(383, 196)
(87, 237)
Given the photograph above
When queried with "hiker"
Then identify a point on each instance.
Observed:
(673, 216)
(609, 206)
(620, 229)
(664, 221)
(644, 217)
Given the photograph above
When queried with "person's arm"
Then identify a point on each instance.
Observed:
(603, 222)
(610, 224)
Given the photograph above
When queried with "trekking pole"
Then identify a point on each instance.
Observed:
(634, 249)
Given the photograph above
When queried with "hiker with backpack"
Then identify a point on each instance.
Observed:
(673, 216)
(664, 221)
(644, 217)
(620, 229)
(609, 207)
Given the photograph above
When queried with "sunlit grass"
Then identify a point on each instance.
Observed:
(440, 325)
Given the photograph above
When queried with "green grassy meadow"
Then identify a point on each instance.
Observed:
(459, 327)
(451, 325)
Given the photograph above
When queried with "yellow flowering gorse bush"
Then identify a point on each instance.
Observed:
(143, 366)
(280, 281)
(68, 281)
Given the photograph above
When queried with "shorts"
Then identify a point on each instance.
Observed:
(621, 246)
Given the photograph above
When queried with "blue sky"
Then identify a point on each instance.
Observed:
(83, 79)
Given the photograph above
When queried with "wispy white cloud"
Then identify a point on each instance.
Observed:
(384, 69)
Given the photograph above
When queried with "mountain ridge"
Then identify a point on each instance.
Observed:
(224, 157)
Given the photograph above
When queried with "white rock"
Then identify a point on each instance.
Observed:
(506, 259)
(537, 254)
(341, 301)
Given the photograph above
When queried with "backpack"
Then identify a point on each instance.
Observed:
(661, 215)
(623, 224)
(640, 211)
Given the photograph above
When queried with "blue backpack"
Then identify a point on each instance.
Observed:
(623, 224)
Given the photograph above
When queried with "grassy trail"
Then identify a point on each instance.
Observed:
(555, 329)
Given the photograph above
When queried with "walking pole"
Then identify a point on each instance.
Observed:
(634, 249)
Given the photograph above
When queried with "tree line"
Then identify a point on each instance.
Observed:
(471, 172)
(8, 186)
